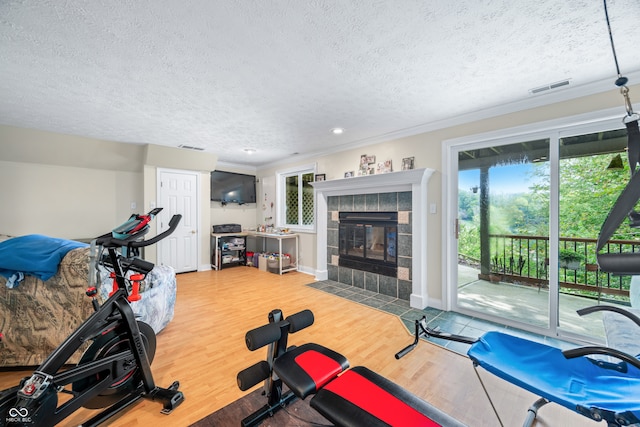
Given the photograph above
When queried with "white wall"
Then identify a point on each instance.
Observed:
(65, 202)
(74, 187)
(232, 213)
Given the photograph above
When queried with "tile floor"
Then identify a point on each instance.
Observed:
(447, 321)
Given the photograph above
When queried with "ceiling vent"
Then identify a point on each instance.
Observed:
(550, 86)
(191, 147)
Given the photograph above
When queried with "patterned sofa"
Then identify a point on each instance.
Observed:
(158, 293)
(36, 316)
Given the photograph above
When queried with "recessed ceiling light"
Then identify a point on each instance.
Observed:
(337, 131)
(249, 150)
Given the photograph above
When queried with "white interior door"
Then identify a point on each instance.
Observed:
(178, 194)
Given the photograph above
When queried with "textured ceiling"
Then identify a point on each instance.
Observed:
(277, 75)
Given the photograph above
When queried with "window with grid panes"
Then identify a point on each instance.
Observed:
(297, 199)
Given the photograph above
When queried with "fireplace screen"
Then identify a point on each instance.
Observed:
(368, 241)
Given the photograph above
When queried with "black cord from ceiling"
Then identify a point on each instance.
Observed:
(621, 80)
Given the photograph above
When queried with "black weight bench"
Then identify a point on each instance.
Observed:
(346, 397)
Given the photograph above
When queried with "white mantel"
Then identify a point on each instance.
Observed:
(414, 180)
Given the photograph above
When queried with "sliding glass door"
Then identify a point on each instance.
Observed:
(503, 231)
(528, 211)
(593, 170)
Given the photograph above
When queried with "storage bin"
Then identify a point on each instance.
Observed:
(262, 262)
(273, 262)
(272, 267)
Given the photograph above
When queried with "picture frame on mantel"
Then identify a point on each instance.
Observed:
(366, 163)
(384, 167)
(407, 163)
(320, 177)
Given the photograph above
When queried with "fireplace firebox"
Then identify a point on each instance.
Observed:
(368, 242)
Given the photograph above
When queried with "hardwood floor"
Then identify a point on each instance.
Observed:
(203, 347)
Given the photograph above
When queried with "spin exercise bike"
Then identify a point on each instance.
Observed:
(114, 371)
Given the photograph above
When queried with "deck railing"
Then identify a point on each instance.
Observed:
(525, 259)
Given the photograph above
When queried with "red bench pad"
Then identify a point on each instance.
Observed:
(361, 397)
(308, 368)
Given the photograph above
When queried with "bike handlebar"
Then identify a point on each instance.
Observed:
(108, 241)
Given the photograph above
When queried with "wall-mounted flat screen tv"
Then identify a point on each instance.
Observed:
(231, 187)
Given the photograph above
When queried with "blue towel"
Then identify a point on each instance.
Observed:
(35, 255)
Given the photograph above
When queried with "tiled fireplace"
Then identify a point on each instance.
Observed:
(391, 277)
(399, 199)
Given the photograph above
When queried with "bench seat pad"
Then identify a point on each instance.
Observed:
(307, 368)
(361, 397)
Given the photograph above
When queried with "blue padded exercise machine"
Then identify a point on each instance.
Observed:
(598, 388)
